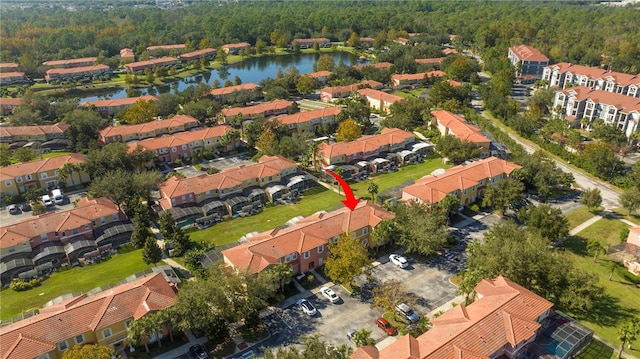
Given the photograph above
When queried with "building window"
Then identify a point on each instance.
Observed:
(43, 237)
(43, 175)
(18, 179)
(321, 249)
(335, 240)
(79, 339)
(106, 333)
(28, 177)
(62, 346)
(307, 254)
(7, 183)
(365, 230)
(115, 217)
(127, 323)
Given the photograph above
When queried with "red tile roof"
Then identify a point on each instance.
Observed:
(377, 65)
(379, 95)
(166, 47)
(236, 45)
(528, 53)
(459, 127)
(433, 188)
(306, 116)
(180, 138)
(199, 53)
(6, 75)
(223, 91)
(417, 77)
(595, 73)
(8, 101)
(448, 51)
(621, 102)
(317, 74)
(41, 333)
(69, 62)
(338, 91)
(35, 167)
(388, 136)
(118, 102)
(126, 53)
(317, 39)
(6, 131)
(266, 248)
(429, 61)
(9, 65)
(148, 63)
(124, 130)
(73, 70)
(277, 105)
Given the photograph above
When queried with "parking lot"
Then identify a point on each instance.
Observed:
(7, 219)
(219, 163)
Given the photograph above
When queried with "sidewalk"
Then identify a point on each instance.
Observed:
(183, 349)
(577, 229)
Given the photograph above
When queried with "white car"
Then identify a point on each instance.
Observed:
(398, 260)
(329, 294)
(307, 307)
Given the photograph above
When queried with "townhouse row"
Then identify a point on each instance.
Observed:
(126, 133)
(93, 229)
(564, 75)
(39, 133)
(77, 73)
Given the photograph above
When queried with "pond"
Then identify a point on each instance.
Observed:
(251, 70)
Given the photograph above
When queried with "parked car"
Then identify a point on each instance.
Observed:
(329, 294)
(307, 307)
(350, 334)
(398, 260)
(406, 313)
(198, 352)
(47, 200)
(13, 209)
(58, 198)
(25, 207)
(386, 326)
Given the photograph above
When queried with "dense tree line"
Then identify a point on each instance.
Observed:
(562, 30)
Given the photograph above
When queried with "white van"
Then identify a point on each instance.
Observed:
(47, 200)
(57, 196)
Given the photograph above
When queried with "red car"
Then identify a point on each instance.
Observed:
(386, 326)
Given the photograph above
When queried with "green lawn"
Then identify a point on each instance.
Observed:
(80, 279)
(231, 230)
(55, 154)
(578, 216)
(621, 296)
(633, 217)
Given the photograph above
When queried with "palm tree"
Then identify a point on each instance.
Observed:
(284, 273)
(373, 190)
(628, 333)
(596, 248)
(138, 332)
(167, 319)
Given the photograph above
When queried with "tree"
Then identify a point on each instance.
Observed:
(140, 233)
(502, 195)
(326, 63)
(89, 351)
(591, 198)
(348, 130)
(84, 130)
(373, 188)
(628, 333)
(449, 204)
(24, 154)
(166, 104)
(346, 259)
(306, 85)
(421, 229)
(457, 151)
(630, 199)
(602, 158)
(139, 332)
(140, 112)
(362, 337)
(461, 68)
(279, 38)
(389, 294)
(283, 273)
(596, 248)
(151, 252)
(546, 220)
(407, 114)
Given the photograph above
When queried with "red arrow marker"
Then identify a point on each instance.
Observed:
(351, 202)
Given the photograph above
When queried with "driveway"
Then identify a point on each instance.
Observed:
(7, 219)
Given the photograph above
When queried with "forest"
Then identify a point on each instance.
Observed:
(577, 32)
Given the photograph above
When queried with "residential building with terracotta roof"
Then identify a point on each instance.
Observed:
(527, 60)
(503, 322)
(101, 318)
(221, 93)
(389, 140)
(208, 53)
(310, 121)
(127, 55)
(10, 78)
(565, 75)
(18, 178)
(401, 41)
(85, 61)
(431, 62)
(56, 238)
(126, 133)
(8, 67)
(274, 108)
(111, 107)
(39, 133)
(234, 49)
(377, 65)
(320, 76)
(308, 43)
(448, 51)
(304, 245)
(77, 73)
(631, 259)
(140, 66)
(379, 100)
(184, 144)
(8, 104)
(186, 192)
(456, 125)
(403, 80)
(468, 182)
(329, 94)
(166, 47)
(367, 41)
(582, 106)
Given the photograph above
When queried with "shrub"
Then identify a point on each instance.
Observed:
(177, 162)
(474, 207)
(19, 286)
(310, 278)
(199, 167)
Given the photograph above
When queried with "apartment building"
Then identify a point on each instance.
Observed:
(45, 174)
(100, 318)
(126, 133)
(57, 238)
(367, 41)
(11, 78)
(166, 48)
(186, 192)
(404, 80)
(8, 104)
(111, 107)
(207, 53)
(82, 62)
(581, 106)
(378, 100)
(304, 245)
(234, 49)
(8, 67)
(310, 121)
(141, 66)
(431, 62)
(308, 43)
(184, 144)
(566, 74)
(275, 108)
(127, 55)
(329, 94)
(77, 73)
(221, 93)
(468, 182)
(456, 125)
(527, 60)
(377, 65)
(631, 259)
(320, 76)
(389, 140)
(39, 133)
